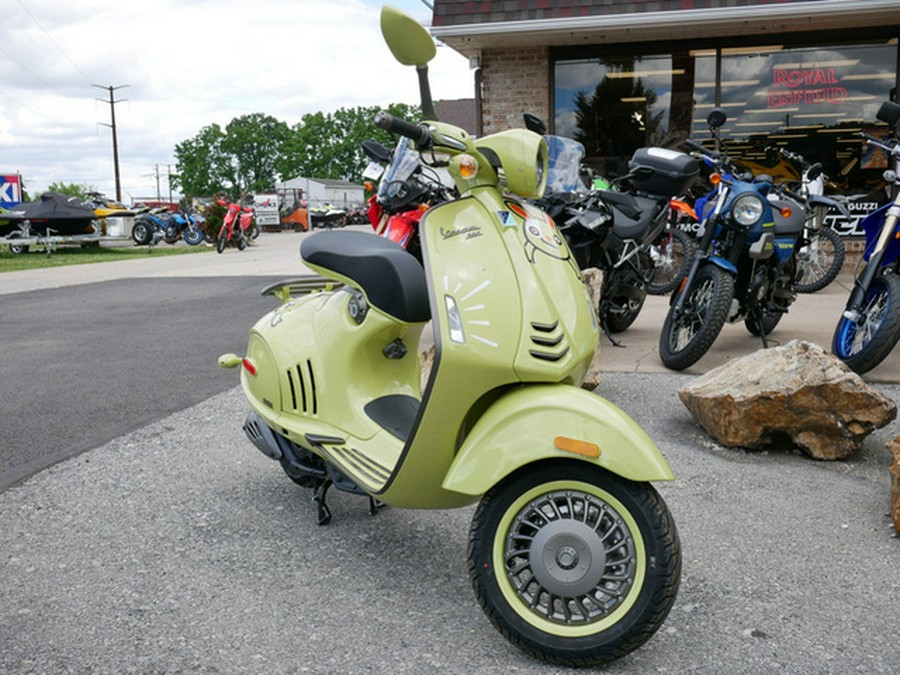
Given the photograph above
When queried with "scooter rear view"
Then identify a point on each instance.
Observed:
(573, 555)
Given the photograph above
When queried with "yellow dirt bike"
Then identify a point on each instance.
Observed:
(573, 554)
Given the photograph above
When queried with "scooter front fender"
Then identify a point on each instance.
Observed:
(535, 422)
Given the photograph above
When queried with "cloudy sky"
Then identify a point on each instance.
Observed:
(182, 65)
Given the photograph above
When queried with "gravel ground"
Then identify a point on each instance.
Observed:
(180, 548)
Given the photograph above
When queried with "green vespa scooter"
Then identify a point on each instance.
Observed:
(573, 555)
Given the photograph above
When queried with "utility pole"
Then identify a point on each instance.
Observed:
(112, 109)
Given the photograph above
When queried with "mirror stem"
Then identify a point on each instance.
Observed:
(425, 94)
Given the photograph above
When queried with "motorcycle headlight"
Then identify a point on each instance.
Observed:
(747, 209)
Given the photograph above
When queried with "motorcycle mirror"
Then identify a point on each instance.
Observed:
(814, 171)
(716, 118)
(411, 45)
(889, 112)
(376, 151)
(535, 124)
(407, 39)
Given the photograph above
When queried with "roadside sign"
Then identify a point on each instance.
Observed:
(265, 208)
(10, 190)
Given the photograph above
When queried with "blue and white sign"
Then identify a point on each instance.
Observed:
(10, 190)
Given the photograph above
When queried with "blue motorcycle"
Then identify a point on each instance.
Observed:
(745, 264)
(870, 325)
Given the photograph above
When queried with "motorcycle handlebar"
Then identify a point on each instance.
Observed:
(418, 133)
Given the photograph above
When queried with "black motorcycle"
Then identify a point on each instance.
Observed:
(620, 231)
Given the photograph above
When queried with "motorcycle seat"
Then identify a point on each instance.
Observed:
(391, 278)
(632, 215)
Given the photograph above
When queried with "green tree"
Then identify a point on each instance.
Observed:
(252, 145)
(255, 151)
(77, 190)
(201, 163)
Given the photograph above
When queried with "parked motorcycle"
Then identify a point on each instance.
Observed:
(150, 226)
(821, 251)
(186, 225)
(870, 325)
(408, 188)
(232, 230)
(745, 263)
(573, 554)
(618, 230)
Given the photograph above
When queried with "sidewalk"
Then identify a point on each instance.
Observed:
(812, 317)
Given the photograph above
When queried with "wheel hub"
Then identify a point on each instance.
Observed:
(567, 558)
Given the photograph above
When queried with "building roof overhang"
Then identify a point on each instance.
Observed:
(765, 21)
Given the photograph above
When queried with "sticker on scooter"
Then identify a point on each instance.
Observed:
(541, 235)
(506, 219)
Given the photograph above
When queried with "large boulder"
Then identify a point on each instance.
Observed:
(798, 392)
(894, 447)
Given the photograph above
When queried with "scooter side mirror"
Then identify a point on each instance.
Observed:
(407, 39)
(889, 112)
(814, 171)
(376, 151)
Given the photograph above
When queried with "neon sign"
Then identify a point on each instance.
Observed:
(795, 86)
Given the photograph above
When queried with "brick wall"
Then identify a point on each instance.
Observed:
(514, 81)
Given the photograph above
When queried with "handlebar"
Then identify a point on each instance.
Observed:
(891, 145)
(418, 133)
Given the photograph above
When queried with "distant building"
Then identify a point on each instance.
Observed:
(319, 191)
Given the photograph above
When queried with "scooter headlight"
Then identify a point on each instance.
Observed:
(747, 209)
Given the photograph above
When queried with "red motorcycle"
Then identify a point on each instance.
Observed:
(233, 230)
(408, 188)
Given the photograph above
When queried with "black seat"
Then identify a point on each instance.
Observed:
(392, 279)
(632, 215)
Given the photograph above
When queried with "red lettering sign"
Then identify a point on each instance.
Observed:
(790, 87)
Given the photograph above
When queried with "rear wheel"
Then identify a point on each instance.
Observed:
(820, 261)
(574, 565)
(671, 254)
(864, 343)
(769, 321)
(688, 335)
(142, 232)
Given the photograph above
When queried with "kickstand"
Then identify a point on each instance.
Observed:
(762, 331)
(324, 512)
(375, 506)
(609, 336)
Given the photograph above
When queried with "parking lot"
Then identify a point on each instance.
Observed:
(175, 546)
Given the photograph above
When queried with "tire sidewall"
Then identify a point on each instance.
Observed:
(629, 629)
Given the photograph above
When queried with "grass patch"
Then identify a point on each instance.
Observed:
(61, 256)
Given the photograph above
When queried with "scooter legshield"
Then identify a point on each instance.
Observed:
(527, 425)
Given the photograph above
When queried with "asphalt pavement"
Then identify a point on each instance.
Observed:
(178, 547)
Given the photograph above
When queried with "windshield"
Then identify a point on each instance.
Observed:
(403, 164)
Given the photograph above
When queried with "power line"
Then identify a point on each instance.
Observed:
(52, 41)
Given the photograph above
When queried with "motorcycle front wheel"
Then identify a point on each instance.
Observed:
(688, 334)
(866, 342)
(820, 261)
(574, 565)
(193, 236)
(222, 241)
(672, 254)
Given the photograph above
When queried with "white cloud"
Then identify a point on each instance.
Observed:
(187, 64)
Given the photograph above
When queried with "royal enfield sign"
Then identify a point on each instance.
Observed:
(10, 190)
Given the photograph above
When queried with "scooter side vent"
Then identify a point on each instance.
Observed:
(548, 340)
(302, 386)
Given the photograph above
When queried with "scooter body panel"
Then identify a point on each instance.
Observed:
(495, 269)
(522, 427)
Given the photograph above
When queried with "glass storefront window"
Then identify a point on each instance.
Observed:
(811, 100)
